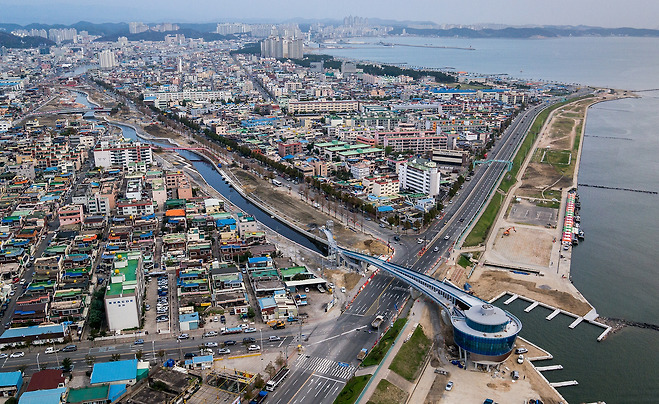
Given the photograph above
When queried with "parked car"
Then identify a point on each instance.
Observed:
(223, 319)
(210, 344)
(254, 348)
(210, 333)
(69, 348)
(520, 359)
(18, 354)
(250, 329)
(162, 319)
(189, 355)
(224, 351)
(449, 386)
(521, 351)
(184, 336)
(4, 356)
(147, 307)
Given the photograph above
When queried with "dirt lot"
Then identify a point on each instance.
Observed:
(387, 393)
(489, 283)
(524, 245)
(306, 216)
(341, 279)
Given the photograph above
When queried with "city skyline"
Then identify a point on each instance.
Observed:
(607, 13)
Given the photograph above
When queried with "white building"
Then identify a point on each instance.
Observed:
(381, 186)
(419, 175)
(134, 189)
(127, 207)
(360, 170)
(106, 59)
(121, 154)
(124, 293)
(5, 125)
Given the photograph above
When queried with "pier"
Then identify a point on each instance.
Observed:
(553, 314)
(511, 299)
(531, 307)
(642, 191)
(610, 137)
(564, 384)
(548, 368)
(576, 322)
(604, 334)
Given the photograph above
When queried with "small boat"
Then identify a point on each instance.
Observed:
(581, 235)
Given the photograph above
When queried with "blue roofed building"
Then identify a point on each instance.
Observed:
(200, 362)
(37, 335)
(52, 396)
(189, 321)
(119, 372)
(10, 383)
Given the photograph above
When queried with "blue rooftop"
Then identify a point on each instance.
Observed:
(11, 379)
(258, 259)
(267, 302)
(52, 396)
(199, 359)
(108, 372)
(185, 318)
(32, 331)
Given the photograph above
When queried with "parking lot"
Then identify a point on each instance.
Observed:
(161, 306)
(529, 213)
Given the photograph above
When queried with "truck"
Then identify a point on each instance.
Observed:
(272, 384)
(276, 183)
(234, 330)
(378, 320)
(302, 303)
(259, 398)
(362, 354)
(301, 297)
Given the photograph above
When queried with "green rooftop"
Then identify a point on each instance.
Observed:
(85, 394)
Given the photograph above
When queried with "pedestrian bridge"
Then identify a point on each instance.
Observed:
(483, 332)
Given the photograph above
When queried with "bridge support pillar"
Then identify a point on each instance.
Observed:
(415, 294)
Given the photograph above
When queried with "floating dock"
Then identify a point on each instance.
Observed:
(553, 314)
(576, 322)
(511, 299)
(603, 335)
(531, 307)
(565, 383)
(548, 368)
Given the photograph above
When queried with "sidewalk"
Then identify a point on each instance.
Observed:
(382, 371)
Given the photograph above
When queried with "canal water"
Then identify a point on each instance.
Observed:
(215, 180)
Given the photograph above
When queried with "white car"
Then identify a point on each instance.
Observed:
(250, 329)
(224, 351)
(210, 334)
(520, 359)
(274, 338)
(343, 290)
(17, 354)
(251, 348)
(446, 237)
(184, 336)
(4, 356)
(211, 344)
(449, 386)
(51, 350)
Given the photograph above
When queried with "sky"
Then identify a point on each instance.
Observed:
(604, 13)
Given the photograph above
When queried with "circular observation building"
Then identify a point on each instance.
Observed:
(486, 334)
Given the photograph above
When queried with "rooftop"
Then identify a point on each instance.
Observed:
(108, 372)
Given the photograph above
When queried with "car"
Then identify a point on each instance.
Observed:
(189, 355)
(224, 351)
(382, 225)
(520, 359)
(223, 319)
(147, 307)
(306, 290)
(162, 311)
(254, 348)
(211, 344)
(215, 319)
(343, 290)
(162, 319)
(184, 336)
(70, 348)
(249, 340)
(449, 386)
(23, 281)
(50, 350)
(419, 241)
(4, 356)
(462, 219)
(488, 401)
(521, 351)
(396, 238)
(139, 341)
(435, 249)
(12, 293)
(17, 354)
(446, 237)
(210, 334)
(250, 329)
(229, 342)
(273, 338)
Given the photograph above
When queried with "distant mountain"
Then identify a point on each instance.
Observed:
(533, 32)
(160, 36)
(13, 41)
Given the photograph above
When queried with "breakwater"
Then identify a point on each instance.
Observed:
(643, 191)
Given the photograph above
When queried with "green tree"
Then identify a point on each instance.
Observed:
(90, 359)
(259, 382)
(161, 354)
(67, 364)
(270, 370)
(250, 312)
(139, 354)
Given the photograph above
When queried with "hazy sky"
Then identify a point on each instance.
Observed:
(606, 13)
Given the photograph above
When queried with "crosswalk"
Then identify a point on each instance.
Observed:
(326, 367)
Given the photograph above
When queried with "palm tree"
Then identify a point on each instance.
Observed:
(67, 364)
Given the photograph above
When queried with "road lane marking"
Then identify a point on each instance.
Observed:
(298, 390)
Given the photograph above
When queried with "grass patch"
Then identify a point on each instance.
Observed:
(482, 227)
(387, 393)
(464, 261)
(412, 354)
(380, 350)
(352, 390)
(556, 157)
(548, 204)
